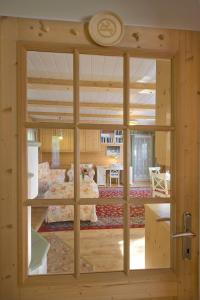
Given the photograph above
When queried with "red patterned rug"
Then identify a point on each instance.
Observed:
(117, 192)
(109, 216)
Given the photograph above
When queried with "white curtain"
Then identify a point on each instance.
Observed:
(55, 152)
(142, 155)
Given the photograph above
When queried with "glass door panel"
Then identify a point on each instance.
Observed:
(49, 87)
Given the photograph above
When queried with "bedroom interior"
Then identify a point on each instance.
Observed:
(50, 156)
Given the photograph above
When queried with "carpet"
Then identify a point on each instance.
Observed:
(116, 192)
(109, 216)
(60, 258)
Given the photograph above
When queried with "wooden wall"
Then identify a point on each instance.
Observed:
(91, 148)
(96, 158)
(151, 285)
(8, 161)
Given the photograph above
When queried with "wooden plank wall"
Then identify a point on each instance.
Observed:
(187, 95)
(8, 162)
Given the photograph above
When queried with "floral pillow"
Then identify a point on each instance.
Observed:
(43, 186)
(86, 173)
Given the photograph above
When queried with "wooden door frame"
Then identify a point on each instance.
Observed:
(185, 47)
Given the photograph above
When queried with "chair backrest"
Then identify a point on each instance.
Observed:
(159, 185)
(114, 173)
(154, 170)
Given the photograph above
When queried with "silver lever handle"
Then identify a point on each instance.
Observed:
(186, 235)
(183, 234)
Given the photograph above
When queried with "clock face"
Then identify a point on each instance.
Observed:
(106, 29)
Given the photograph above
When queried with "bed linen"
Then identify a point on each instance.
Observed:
(88, 189)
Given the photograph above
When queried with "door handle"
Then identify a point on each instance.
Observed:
(183, 234)
(186, 235)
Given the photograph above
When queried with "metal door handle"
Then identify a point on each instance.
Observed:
(186, 235)
(183, 234)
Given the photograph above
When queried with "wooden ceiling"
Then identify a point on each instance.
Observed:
(50, 88)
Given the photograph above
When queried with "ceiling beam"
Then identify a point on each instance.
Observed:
(103, 116)
(113, 106)
(90, 83)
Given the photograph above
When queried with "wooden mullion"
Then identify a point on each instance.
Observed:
(22, 163)
(76, 165)
(95, 50)
(151, 200)
(47, 202)
(126, 205)
(101, 106)
(102, 201)
(76, 81)
(151, 128)
(173, 246)
(101, 126)
(126, 162)
(140, 53)
(126, 89)
(56, 125)
(76, 205)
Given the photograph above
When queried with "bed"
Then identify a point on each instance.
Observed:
(88, 189)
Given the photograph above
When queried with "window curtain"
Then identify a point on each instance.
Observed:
(55, 152)
(142, 154)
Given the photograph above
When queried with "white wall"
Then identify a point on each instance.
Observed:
(181, 14)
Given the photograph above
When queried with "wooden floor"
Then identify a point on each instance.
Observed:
(103, 249)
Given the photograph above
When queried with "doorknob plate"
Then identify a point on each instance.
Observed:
(187, 234)
(187, 243)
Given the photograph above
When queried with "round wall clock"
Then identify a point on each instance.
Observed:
(106, 29)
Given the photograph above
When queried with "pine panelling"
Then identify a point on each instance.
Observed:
(89, 140)
(122, 291)
(157, 239)
(67, 143)
(187, 86)
(82, 140)
(187, 64)
(92, 139)
(150, 39)
(97, 158)
(8, 161)
(46, 140)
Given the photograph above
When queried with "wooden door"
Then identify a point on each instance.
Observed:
(179, 282)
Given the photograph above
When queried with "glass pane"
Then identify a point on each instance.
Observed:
(101, 163)
(150, 94)
(101, 239)
(101, 89)
(50, 240)
(49, 87)
(149, 236)
(49, 159)
(150, 164)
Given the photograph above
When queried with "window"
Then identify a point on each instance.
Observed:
(97, 132)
